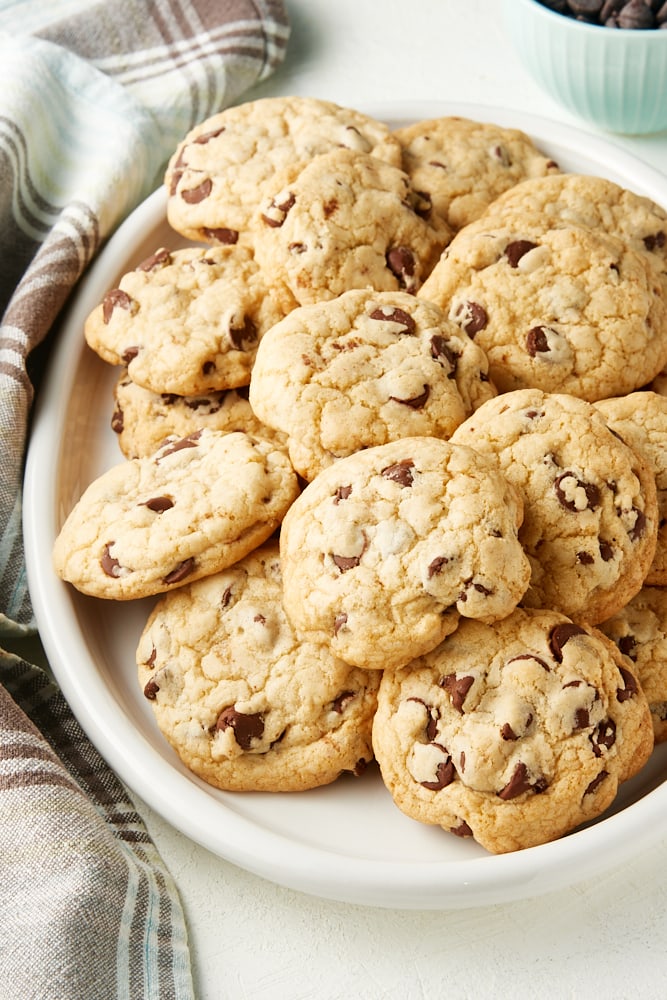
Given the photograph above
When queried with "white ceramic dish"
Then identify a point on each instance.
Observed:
(346, 841)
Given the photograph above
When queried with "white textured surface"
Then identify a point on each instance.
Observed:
(252, 940)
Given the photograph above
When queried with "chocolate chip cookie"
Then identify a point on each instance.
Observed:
(387, 548)
(590, 506)
(512, 733)
(216, 176)
(186, 321)
(143, 420)
(346, 220)
(592, 203)
(640, 632)
(464, 165)
(640, 418)
(190, 509)
(563, 309)
(244, 704)
(364, 369)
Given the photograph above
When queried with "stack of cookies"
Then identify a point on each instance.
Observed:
(394, 428)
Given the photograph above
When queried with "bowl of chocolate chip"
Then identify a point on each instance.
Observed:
(604, 60)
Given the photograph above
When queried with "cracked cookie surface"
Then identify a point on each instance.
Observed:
(188, 510)
(590, 505)
(514, 733)
(386, 549)
(364, 369)
(246, 706)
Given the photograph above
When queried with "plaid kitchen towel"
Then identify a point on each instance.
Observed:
(94, 97)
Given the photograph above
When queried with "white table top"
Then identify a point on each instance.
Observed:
(252, 940)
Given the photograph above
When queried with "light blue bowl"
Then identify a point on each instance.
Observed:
(612, 77)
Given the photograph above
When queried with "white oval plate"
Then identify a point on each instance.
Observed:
(347, 841)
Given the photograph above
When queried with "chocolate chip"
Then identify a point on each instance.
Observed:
(471, 317)
(630, 686)
(118, 420)
(462, 830)
(330, 207)
(192, 196)
(247, 727)
(581, 719)
(339, 621)
(109, 564)
(604, 736)
(624, 14)
(415, 402)
(177, 172)
(560, 635)
(610, 7)
(457, 688)
(627, 645)
(501, 154)
(507, 733)
(436, 565)
(129, 354)
(585, 6)
(340, 703)
(636, 15)
(444, 773)
(346, 562)
(440, 350)
(228, 237)
(392, 314)
(402, 264)
(158, 504)
(530, 656)
(515, 250)
(180, 571)
(606, 550)
(155, 261)
(656, 240)
(116, 298)
(278, 208)
(400, 472)
(596, 782)
(243, 334)
(585, 558)
(519, 783)
(190, 441)
(571, 491)
(536, 340)
(639, 529)
(480, 588)
(226, 597)
(432, 718)
(206, 137)
(421, 203)
(342, 493)
(151, 689)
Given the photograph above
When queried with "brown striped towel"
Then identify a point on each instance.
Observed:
(94, 97)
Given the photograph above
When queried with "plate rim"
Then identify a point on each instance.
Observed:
(318, 871)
